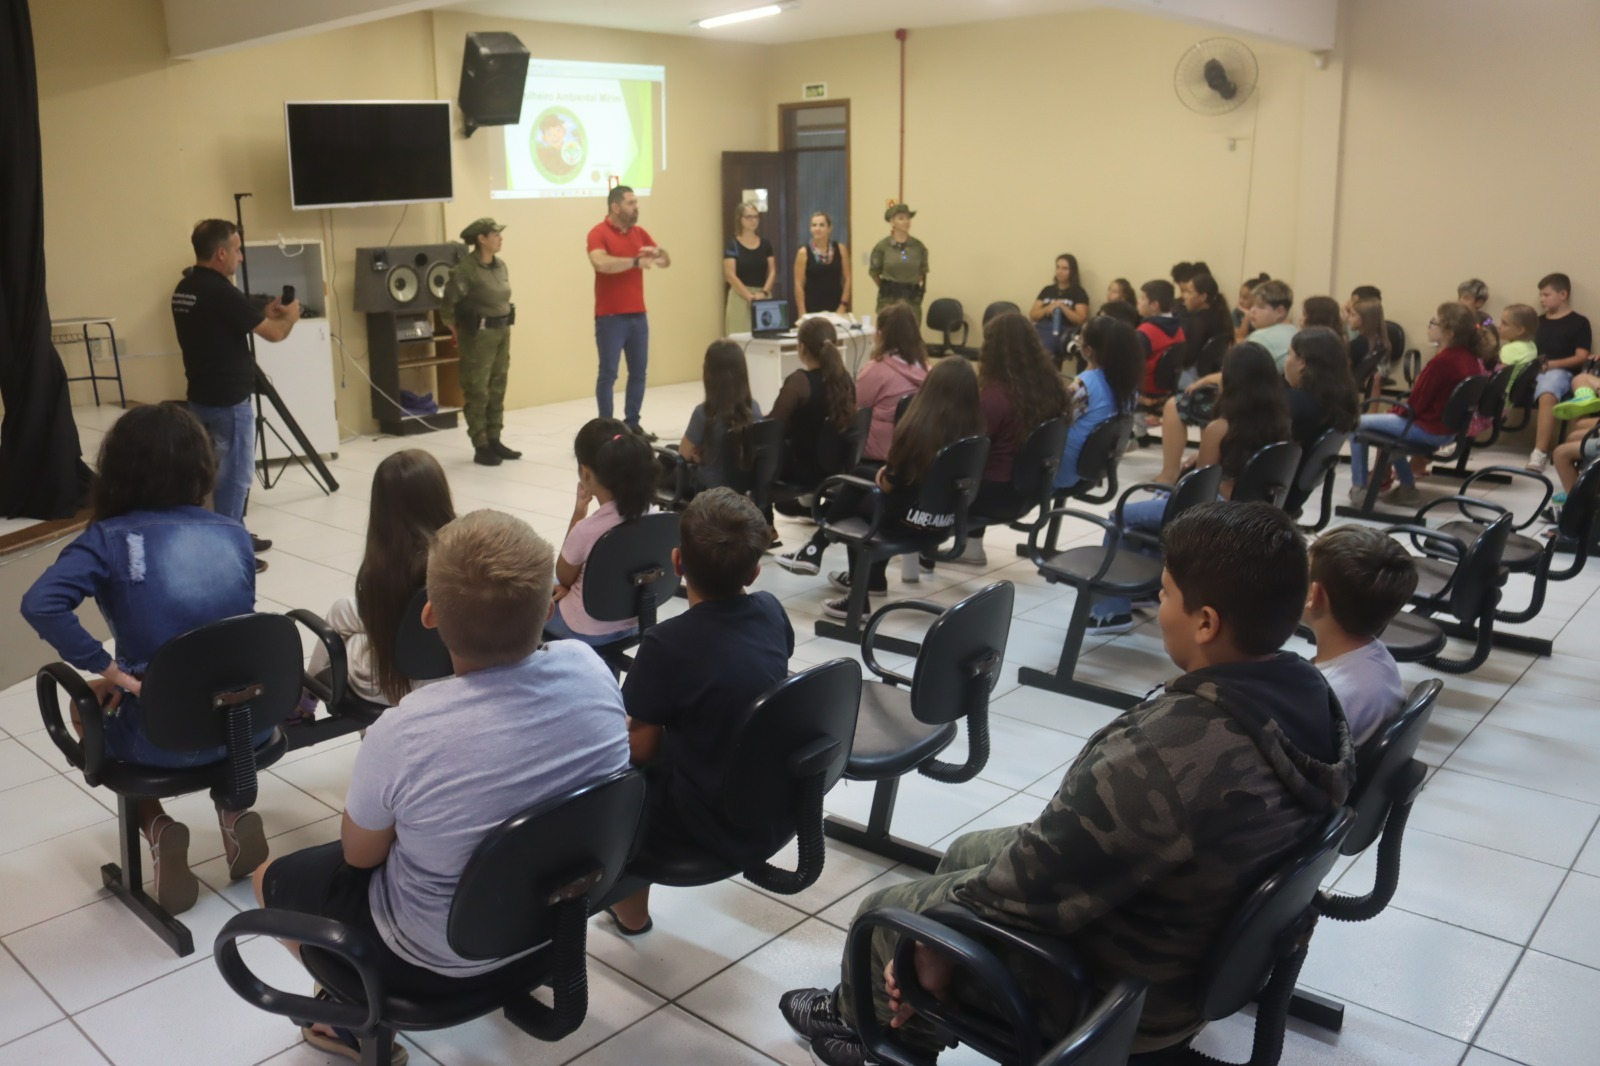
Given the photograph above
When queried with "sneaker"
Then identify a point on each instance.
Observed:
(502, 451)
(485, 455)
(259, 544)
(645, 433)
(813, 1013)
(176, 889)
(841, 1051)
(1146, 603)
(244, 844)
(807, 560)
(1358, 495)
(839, 608)
(840, 579)
(261, 565)
(1559, 498)
(1106, 627)
(1538, 461)
(1403, 495)
(1584, 402)
(972, 555)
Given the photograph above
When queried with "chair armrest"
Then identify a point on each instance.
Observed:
(332, 694)
(1514, 472)
(1038, 557)
(1450, 544)
(308, 930)
(1054, 952)
(820, 500)
(1463, 503)
(869, 635)
(968, 954)
(88, 754)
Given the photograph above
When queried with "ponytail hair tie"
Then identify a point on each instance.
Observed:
(616, 436)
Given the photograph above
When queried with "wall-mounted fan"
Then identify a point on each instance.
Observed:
(1215, 76)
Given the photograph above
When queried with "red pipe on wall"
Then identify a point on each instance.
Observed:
(900, 35)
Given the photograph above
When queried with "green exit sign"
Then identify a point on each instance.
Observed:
(817, 90)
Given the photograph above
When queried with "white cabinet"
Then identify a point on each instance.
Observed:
(301, 366)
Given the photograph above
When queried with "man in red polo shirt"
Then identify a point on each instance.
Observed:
(620, 251)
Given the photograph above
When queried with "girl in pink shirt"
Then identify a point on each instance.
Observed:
(898, 367)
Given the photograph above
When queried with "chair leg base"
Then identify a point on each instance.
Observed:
(890, 847)
(842, 631)
(1317, 1010)
(1082, 690)
(1539, 646)
(172, 932)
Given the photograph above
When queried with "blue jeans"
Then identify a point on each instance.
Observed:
(1143, 515)
(557, 628)
(614, 336)
(233, 437)
(126, 741)
(1390, 426)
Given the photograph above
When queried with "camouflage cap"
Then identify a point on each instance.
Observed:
(481, 226)
(897, 209)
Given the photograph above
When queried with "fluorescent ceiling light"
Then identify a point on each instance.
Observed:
(740, 16)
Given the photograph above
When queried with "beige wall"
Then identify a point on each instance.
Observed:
(1468, 150)
(1029, 137)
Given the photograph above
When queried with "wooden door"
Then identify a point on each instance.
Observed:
(765, 177)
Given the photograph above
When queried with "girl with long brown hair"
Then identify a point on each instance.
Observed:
(898, 366)
(946, 409)
(1370, 356)
(819, 394)
(410, 503)
(718, 424)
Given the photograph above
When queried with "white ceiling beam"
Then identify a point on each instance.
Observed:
(1308, 24)
(197, 28)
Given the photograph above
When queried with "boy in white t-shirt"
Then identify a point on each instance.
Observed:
(1270, 327)
(1360, 579)
(517, 724)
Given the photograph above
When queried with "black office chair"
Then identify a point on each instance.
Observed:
(837, 453)
(947, 488)
(532, 881)
(1388, 780)
(789, 749)
(1520, 398)
(998, 308)
(629, 574)
(419, 652)
(753, 479)
(215, 686)
(1116, 568)
(906, 722)
(1459, 410)
(1491, 405)
(1468, 591)
(1033, 475)
(1103, 1032)
(946, 316)
(1102, 451)
(1268, 475)
(1410, 362)
(1259, 953)
(1317, 469)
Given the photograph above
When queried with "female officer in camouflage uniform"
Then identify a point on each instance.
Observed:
(477, 308)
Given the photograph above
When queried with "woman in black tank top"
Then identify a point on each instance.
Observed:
(822, 271)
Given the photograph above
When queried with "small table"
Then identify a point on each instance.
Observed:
(79, 331)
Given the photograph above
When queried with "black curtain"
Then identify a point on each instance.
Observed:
(40, 457)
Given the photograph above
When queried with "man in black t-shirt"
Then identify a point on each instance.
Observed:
(214, 320)
(1565, 343)
(1061, 307)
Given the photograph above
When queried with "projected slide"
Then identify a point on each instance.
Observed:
(585, 127)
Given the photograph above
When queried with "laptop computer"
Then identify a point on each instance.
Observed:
(769, 318)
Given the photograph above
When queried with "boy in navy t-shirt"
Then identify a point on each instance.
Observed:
(691, 675)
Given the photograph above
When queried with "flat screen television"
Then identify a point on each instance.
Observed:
(357, 153)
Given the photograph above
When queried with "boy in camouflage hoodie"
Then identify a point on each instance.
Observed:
(1172, 814)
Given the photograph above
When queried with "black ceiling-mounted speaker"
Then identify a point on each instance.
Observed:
(493, 72)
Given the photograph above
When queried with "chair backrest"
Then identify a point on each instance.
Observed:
(1103, 449)
(1476, 584)
(952, 480)
(568, 846)
(1462, 406)
(1379, 763)
(1578, 513)
(629, 569)
(1257, 935)
(998, 308)
(1034, 473)
(1492, 403)
(1169, 366)
(1268, 474)
(196, 678)
(418, 650)
(805, 724)
(765, 439)
(1105, 1035)
(1318, 462)
(840, 452)
(961, 655)
(1194, 488)
(946, 315)
(1396, 335)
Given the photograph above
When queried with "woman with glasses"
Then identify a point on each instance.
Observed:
(749, 266)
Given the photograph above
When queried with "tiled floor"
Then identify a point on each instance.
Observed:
(1490, 953)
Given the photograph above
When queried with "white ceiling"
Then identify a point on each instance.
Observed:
(807, 20)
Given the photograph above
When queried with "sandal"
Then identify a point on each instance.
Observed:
(244, 844)
(649, 924)
(176, 887)
(345, 1045)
